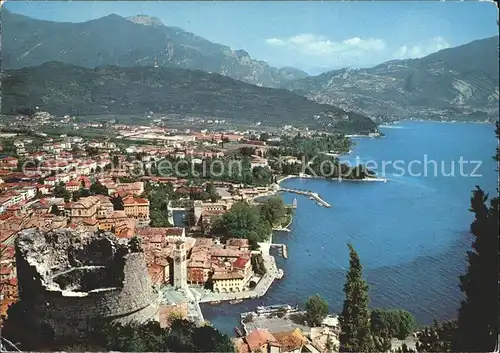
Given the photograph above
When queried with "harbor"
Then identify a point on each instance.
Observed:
(273, 317)
(284, 319)
(312, 195)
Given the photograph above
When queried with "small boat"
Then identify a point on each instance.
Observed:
(215, 302)
(280, 274)
(235, 301)
(238, 331)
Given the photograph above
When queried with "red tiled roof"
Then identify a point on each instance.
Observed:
(135, 201)
(258, 337)
(6, 234)
(8, 252)
(73, 182)
(288, 341)
(5, 270)
(174, 231)
(91, 222)
(240, 262)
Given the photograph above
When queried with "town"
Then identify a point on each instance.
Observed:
(133, 184)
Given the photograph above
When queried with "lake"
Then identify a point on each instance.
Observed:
(411, 233)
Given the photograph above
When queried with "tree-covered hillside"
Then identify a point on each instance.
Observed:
(66, 89)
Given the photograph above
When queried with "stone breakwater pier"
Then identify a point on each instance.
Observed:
(314, 195)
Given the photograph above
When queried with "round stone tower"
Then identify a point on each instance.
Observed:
(74, 280)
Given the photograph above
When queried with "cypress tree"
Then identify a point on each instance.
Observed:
(478, 315)
(355, 316)
(437, 337)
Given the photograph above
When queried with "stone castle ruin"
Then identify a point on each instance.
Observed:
(72, 280)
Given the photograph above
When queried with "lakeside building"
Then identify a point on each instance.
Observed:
(262, 340)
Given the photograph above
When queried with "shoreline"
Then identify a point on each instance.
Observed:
(285, 228)
(435, 121)
(384, 180)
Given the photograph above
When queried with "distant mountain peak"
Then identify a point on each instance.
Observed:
(146, 20)
(153, 44)
(241, 53)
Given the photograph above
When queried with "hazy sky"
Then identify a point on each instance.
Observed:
(313, 36)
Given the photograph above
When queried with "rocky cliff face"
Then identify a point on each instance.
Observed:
(455, 82)
(136, 41)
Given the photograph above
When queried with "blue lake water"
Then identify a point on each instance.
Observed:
(411, 233)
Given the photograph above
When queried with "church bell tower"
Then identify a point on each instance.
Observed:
(180, 265)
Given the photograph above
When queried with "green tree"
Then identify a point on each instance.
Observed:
(117, 202)
(115, 162)
(403, 349)
(212, 192)
(382, 341)
(242, 221)
(208, 339)
(55, 210)
(355, 316)
(316, 310)
(264, 136)
(159, 197)
(133, 337)
(182, 336)
(478, 319)
(60, 191)
(91, 151)
(97, 188)
(398, 323)
(273, 210)
(437, 337)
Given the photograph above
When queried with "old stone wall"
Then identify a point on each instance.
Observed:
(100, 280)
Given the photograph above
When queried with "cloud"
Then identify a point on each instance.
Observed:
(321, 46)
(316, 53)
(422, 49)
(275, 41)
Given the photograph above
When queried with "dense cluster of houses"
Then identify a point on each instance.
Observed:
(31, 181)
(228, 266)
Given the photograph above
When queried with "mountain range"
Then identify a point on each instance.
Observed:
(61, 88)
(135, 41)
(460, 82)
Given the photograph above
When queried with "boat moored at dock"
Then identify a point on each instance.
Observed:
(238, 331)
(271, 309)
(280, 274)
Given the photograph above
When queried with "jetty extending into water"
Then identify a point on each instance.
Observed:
(283, 250)
(314, 195)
